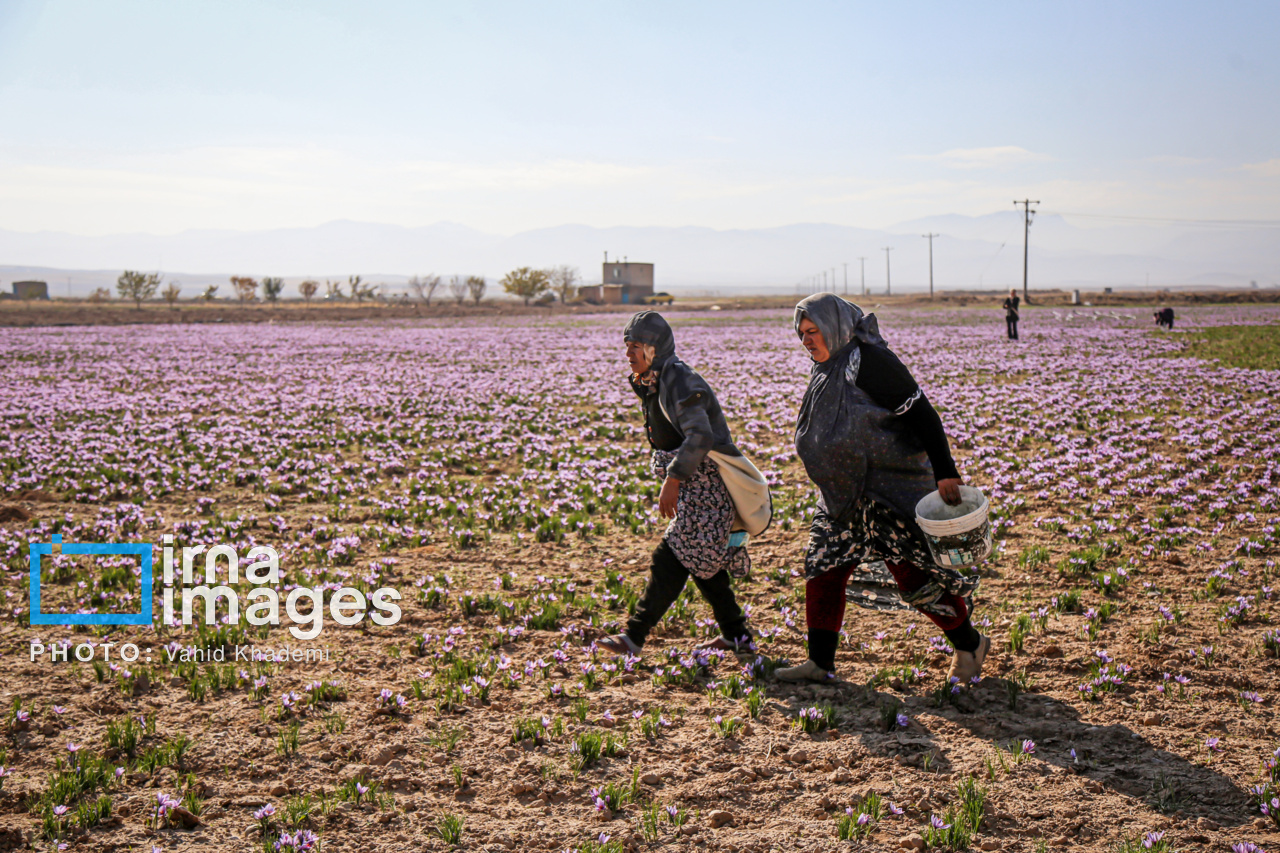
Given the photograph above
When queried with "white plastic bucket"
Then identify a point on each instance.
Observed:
(958, 536)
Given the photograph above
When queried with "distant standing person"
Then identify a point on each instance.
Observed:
(1011, 315)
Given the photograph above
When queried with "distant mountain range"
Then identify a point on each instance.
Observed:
(972, 252)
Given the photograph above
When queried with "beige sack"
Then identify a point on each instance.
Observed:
(753, 508)
(752, 505)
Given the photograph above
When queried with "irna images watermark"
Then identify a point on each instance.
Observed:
(200, 589)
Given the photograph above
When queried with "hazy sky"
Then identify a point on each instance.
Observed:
(163, 116)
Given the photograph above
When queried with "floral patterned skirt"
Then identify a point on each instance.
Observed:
(872, 534)
(699, 534)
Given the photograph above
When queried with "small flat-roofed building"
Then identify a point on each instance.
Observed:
(634, 279)
(30, 290)
(624, 284)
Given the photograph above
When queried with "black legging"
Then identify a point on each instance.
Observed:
(1012, 324)
(667, 577)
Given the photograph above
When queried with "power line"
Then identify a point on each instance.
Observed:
(1029, 213)
(990, 262)
(1226, 223)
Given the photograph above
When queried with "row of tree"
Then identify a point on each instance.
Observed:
(525, 283)
(246, 289)
(424, 287)
(140, 287)
(528, 283)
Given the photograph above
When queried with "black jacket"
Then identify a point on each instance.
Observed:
(681, 405)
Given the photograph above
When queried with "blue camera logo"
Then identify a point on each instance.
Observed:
(142, 551)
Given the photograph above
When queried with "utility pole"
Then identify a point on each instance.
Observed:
(824, 280)
(888, 282)
(863, 262)
(930, 237)
(846, 278)
(1027, 213)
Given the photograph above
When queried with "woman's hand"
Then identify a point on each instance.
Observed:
(669, 496)
(950, 490)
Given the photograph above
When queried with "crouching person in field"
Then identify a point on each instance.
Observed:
(684, 423)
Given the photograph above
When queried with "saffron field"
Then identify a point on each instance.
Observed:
(495, 474)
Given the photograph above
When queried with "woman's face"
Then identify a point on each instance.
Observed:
(813, 341)
(636, 357)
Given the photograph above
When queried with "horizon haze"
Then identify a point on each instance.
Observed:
(968, 253)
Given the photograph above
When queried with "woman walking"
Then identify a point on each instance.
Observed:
(874, 445)
(684, 423)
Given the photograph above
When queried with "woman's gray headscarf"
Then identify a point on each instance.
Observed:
(839, 321)
(845, 441)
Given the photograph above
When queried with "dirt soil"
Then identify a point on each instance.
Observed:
(768, 788)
